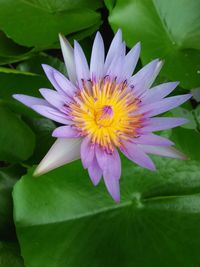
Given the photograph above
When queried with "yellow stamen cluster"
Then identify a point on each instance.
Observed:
(103, 111)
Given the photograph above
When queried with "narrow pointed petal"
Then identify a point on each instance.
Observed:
(158, 92)
(63, 151)
(156, 72)
(82, 69)
(66, 132)
(106, 160)
(51, 113)
(163, 151)
(59, 81)
(68, 55)
(152, 139)
(131, 60)
(95, 172)
(114, 48)
(112, 184)
(49, 71)
(30, 101)
(159, 124)
(115, 68)
(87, 152)
(164, 105)
(54, 98)
(144, 78)
(97, 58)
(64, 83)
(136, 154)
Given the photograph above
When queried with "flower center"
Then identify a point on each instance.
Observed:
(104, 116)
(104, 110)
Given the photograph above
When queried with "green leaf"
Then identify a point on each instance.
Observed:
(43, 129)
(8, 177)
(16, 82)
(10, 255)
(188, 141)
(33, 65)
(109, 4)
(187, 114)
(56, 6)
(11, 50)
(72, 223)
(45, 19)
(17, 141)
(163, 34)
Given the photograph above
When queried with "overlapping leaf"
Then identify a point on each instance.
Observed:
(37, 23)
(71, 223)
(167, 29)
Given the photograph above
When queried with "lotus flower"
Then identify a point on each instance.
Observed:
(105, 109)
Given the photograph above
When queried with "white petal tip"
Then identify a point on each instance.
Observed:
(45, 67)
(95, 183)
(116, 199)
(16, 96)
(41, 169)
(61, 36)
(63, 40)
(138, 45)
(37, 172)
(177, 83)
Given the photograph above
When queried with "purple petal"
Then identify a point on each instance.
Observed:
(49, 71)
(115, 68)
(152, 139)
(112, 184)
(95, 172)
(97, 58)
(68, 55)
(131, 60)
(114, 48)
(144, 78)
(163, 151)
(30, 101)
(87, 152)
(65, 85)
(164, 105)
(82, 69)
(159, 124)
(51, 113)
(66, 132)
(111, 166)
(63, 151)
(106, 160)
(158, 92)
(54, 98)
(59, 81)
(137, 155)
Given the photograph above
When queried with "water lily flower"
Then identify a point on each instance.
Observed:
(105, 109)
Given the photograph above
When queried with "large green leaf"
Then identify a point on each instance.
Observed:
(17, 140)
(34, 64)
(11, 51)
(37, 23)
(43, 129)
(8, 177)
(56, 6)
(188, 141)
(10, 255)
(63, 220)
(167, 29)
(17, 82)
(187, 114)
